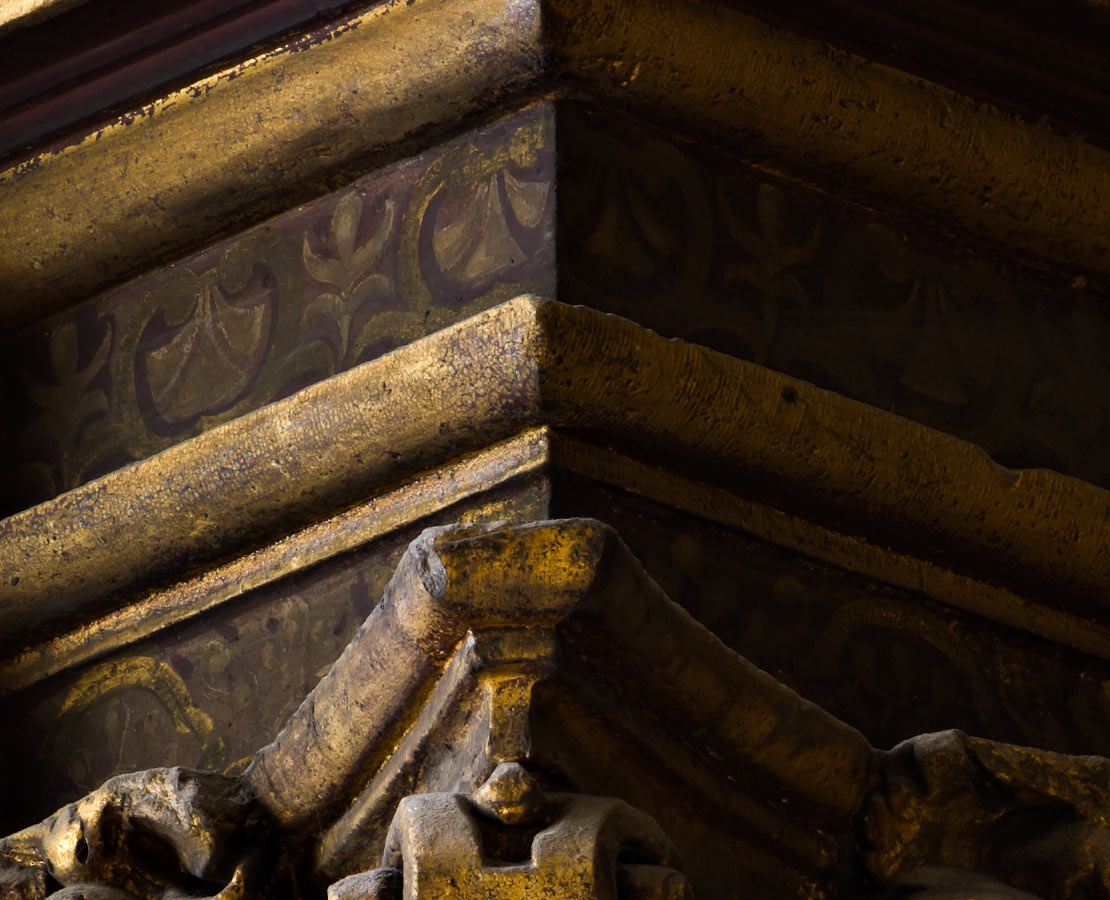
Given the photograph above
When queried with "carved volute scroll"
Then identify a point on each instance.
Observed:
(162, 833)
(526, 714)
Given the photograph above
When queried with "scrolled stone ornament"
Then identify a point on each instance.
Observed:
(959, 817)
(161, 834)
(526, 715)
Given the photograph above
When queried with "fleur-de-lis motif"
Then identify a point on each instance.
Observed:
(348, 271)
(769, 259)
(72, 413)
(68, 402)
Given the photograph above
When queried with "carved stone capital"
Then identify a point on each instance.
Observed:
(526, 714)
(511, 840)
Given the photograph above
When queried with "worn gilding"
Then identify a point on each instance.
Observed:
(864, 129)
(856, 471)
(406, 251)
(240, 144)
(182, 600)
(526, 711)
(291, 123)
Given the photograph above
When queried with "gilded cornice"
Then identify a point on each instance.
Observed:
(289, 124)
(252, 140)
(833, 478)
(859, 128)
(458, 580)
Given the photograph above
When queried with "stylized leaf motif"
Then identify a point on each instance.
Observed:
(67, 405)
(475, 231)
(769, 261)
(766, 246)
(329, 271)
(455, 242)
(350, 264)
(209, 361)
(528, 199)
(348, 271)
(344, 225)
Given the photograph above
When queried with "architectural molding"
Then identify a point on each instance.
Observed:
(788, 462)
(273, 131)
(279, 508)
(21, 13)
(192, 596)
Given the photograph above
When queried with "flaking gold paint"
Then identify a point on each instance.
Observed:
(942, 518)
(291, 123)
(243, 143)
(183, 600)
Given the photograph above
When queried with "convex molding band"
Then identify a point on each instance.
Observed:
(293, 123)
(531, 363)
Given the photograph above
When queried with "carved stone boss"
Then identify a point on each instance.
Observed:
(526, 715)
